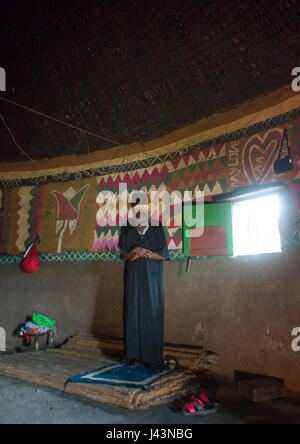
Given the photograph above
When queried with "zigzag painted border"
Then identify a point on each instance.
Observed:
(209, 162)
(292, 241)
(79, 256)
(149, 162)
(25, 215)
(5, 216)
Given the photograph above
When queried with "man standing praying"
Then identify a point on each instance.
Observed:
(144, 248)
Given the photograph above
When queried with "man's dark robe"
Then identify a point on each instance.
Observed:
(144, 297)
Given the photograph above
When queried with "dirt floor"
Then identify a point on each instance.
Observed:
(23, 403)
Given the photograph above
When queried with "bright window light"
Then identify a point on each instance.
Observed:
(256, 226)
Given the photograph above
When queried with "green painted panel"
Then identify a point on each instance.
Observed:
(214, 215)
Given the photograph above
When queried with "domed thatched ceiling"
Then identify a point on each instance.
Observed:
(135, 70)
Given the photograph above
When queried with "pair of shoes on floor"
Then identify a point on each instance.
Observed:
(195, 404)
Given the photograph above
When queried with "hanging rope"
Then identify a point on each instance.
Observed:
(61, 122)
(14, 140)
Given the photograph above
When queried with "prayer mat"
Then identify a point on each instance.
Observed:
(123, 375)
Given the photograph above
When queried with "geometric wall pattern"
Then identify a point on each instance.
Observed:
(64, 213)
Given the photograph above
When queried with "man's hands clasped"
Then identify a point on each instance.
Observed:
(138, 252)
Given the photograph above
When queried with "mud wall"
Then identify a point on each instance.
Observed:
(244, 309)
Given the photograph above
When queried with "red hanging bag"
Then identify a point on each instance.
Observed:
(31, 261)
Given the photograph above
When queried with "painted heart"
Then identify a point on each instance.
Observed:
(259, 156)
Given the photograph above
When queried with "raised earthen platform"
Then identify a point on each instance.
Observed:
(193, 358)
(52, 368)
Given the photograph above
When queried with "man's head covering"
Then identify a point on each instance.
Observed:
(141, 215)
(140, 208)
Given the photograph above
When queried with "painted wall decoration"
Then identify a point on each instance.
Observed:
(68, 204)
(215, 170)
(202, 170)
(64, 213)
(20, 214)
(251, 160)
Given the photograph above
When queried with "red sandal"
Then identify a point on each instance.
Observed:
(207, 400)
(197, 403)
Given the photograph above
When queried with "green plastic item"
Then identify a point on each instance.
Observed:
(43, 321)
